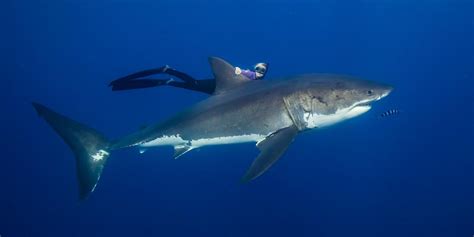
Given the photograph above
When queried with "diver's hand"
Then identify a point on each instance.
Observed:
(238, 70)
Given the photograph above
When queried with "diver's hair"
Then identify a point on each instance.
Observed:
(261, 64)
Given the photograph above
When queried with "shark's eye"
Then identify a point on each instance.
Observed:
(370, 92)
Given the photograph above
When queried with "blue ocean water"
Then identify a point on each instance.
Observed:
(409, 175)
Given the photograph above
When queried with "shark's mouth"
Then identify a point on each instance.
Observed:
(358, 110)
(363, 104)
(314, 120)
(366, 104)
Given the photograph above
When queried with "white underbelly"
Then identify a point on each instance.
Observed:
(177, 140)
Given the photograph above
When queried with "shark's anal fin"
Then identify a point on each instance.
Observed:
(271, 149)
(179, 150)
(225, 75)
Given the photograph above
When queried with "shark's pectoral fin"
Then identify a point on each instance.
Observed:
(271, 149)
(179, 150)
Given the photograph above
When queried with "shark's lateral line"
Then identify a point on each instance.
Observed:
(270, 113)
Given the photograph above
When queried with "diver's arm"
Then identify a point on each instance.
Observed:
(249, 74)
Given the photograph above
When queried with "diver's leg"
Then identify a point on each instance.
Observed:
(138, 84)
(134, 81)
(164, 69)
(205, 86)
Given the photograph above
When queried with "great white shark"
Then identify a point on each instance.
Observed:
(270, 113)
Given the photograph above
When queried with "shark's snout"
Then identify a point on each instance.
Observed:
(386, 90)
(382, 90)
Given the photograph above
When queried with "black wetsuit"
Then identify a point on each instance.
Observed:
(137, 80)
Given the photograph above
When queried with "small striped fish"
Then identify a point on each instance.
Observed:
(390, 112)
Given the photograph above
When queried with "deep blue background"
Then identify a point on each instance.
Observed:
(412, 175)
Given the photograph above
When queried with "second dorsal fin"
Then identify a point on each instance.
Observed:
(225, 75)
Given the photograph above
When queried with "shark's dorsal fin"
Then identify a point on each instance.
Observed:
(225, 76)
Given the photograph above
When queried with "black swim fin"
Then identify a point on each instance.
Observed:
(139, 74)
(137, 84)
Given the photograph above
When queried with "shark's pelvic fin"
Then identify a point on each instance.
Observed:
(180, 150)
(271, 149)
(89, 147)
(225, 75)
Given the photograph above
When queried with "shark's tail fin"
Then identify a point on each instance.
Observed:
(88, 145)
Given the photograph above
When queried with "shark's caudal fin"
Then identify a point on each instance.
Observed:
(89, 147)
(225, 75)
